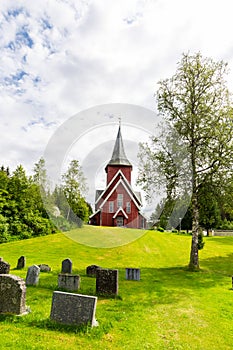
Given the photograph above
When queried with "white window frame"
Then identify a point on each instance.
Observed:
(120, 200)
(111, 207)
(128, 207)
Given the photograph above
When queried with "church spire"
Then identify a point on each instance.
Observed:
(118, 154)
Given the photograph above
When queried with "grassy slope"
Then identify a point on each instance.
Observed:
(170, 308)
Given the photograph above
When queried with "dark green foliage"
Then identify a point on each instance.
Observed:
(200, 244)
(22, 213)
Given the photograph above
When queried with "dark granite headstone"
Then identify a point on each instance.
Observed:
(21, 263)
(4, 267)
(73, 309)
(33, 274)
(91, 270)
(107, 282)
(12, 294)
(44, 268)
(132, 274)
(66, 266)
(68, 282)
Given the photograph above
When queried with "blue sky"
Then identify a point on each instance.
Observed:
(59, 57)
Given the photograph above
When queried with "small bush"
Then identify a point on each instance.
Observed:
(160, 229)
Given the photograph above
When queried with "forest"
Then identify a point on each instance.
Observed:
(29, 208)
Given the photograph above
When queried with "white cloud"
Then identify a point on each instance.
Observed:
(63, 56)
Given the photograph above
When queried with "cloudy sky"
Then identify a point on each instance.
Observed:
(60, 57)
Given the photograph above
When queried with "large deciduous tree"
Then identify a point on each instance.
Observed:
(196, 102)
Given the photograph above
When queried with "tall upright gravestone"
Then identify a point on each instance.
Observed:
(33, 273)
(12, 294)
(21, 263)
(107, 282)
(66, 266)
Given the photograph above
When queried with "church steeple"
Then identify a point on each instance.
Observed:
(119, 160)
(118, 154)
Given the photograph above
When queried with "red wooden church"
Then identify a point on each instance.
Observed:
(118, 204)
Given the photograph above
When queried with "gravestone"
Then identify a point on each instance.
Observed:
(107, 282)
(68, 282)
(91, 270)
(33, 274)
(44, 268)
(21, 262)
(66, 266)
(73, 309)
(132, 274)
(12, 294)
(4, 267)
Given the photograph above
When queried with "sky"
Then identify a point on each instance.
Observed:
(62, 57)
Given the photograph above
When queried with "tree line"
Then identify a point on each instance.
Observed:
(29, 208)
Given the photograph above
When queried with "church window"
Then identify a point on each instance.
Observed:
(119, 200)
(128, 207)
(111, 207)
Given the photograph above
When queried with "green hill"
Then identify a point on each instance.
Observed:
(169, 308)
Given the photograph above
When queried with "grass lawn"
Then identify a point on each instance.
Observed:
(169, 308)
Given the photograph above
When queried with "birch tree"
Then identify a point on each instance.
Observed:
(196, 102)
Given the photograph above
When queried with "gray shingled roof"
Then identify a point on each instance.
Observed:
(118, 155)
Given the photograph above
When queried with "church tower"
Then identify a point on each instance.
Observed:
(118, 160)
(118, 204)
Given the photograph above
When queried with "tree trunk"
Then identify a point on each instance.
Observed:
(194, 260)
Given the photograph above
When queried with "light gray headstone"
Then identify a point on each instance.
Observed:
(69, 282)
(33, 274)
(73, 309)
(4, 267)
(12, 294)
(66, 266)
(132, 274)
(21, 262)
(107, 282)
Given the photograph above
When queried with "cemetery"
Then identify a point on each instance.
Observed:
(137, 296)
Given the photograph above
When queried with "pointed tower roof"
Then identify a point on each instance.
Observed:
(118, 154)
